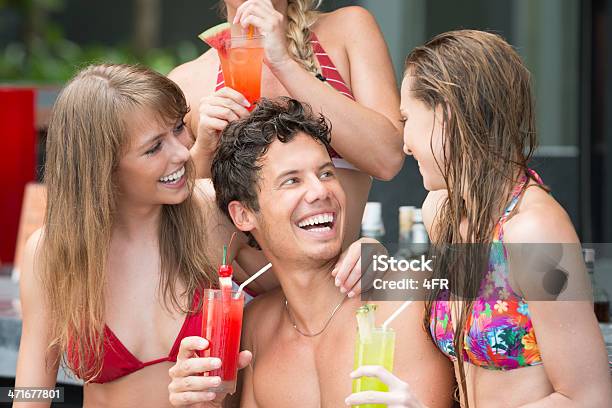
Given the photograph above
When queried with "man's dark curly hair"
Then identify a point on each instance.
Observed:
(236, 165)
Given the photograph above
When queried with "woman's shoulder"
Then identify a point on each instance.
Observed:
(192, 70)
(346, 16)
(33, 245)
(539, 219)
(345, 22)
(430, 209)
(30, 272)
(197, 78)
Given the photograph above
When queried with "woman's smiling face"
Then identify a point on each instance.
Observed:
(423, 135)
(152, 171)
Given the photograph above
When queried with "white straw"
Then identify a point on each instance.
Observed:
(396, 313)
(255, 276)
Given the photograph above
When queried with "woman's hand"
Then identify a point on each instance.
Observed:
(190, 389)
(398, 396)
(216, 111)
(348, 269)
(262, 15)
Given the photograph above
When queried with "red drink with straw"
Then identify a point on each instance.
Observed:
(241, 59)
(222, 326)
(222, 323)
(241, 64)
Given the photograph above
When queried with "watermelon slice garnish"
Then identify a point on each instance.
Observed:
(217, 36)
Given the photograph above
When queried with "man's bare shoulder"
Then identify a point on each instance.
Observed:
(261, 318)
(264, 310)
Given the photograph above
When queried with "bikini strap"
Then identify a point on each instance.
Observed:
(328, 71)
(517, 192)
(220, 79)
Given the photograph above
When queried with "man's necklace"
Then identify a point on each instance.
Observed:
(324, 327)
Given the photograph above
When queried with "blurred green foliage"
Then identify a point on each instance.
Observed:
(57, 62)
(44, 55)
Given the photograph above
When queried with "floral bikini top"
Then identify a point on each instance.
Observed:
(499, 334)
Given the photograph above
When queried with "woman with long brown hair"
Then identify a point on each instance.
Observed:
(336, 62)
(470, 123)
(124, 244)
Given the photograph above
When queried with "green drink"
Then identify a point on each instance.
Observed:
(374, 346)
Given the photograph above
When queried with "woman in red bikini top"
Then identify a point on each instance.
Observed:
(336, 62)
(115, 272)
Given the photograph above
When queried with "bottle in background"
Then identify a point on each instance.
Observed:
(601, 299)
(406, 216)
(372, 223)
(418, 232)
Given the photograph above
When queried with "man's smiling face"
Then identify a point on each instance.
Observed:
(301, 202)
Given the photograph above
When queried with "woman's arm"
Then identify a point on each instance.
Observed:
(372, 123)
(574, 355)
(568, 336)
(32, 368)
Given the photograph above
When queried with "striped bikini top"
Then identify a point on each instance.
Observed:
(331, 75)
(498, 333)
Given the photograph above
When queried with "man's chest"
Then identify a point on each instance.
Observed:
(303, 373)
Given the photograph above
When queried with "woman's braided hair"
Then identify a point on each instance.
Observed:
(301, 14)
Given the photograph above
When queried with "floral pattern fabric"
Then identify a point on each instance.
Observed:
(499, 334)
